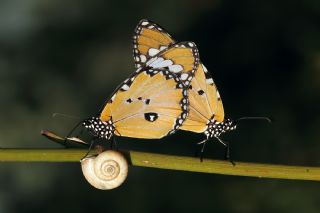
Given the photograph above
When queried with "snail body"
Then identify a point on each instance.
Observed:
(106, 171)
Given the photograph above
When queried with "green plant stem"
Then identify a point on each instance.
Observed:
(162, 161)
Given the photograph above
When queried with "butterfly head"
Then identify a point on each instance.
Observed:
(99, 128)
(215, 128)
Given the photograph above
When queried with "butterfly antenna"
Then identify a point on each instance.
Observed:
(255, 118)
(56, 114)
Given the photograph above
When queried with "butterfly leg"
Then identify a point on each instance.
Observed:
(227, 152)
(113, 144)
(90, 148)
(202, 149)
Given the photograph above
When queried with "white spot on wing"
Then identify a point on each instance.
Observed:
(153, 51)
(162, 47)
(154, 61)
(125, 87)
(151, 60)
(191, 44)
(204, 68)
(209, 81)
(163, 63)
(143, 58)
(144, 23)
(184, 76)
(218, 94)
(176, 68)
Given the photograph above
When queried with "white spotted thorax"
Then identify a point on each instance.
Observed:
(99, 128)
(215, 128)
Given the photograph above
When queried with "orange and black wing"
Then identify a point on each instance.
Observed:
(153, 47)
(150, 105)
(148, 40)
(204, 102)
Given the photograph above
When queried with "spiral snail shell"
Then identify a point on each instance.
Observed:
(106, 171)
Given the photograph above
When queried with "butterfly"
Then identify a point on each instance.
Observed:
(153, 47)
(206, 114)
(140, 107)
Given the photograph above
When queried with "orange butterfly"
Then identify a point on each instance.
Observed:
(206, 114)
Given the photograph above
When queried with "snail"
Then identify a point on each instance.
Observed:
(106, 171)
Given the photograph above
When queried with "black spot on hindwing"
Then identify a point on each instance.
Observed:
(151, 116)
(201, 92)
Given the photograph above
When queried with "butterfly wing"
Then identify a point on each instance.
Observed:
(153, 47)
(150, 105)
(149, 38)
(205, 102)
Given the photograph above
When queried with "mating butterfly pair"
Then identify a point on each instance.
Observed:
(170, 90)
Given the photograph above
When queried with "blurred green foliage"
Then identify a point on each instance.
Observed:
(68, 56)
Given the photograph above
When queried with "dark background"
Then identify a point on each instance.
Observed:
(68, 56)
